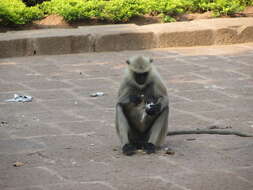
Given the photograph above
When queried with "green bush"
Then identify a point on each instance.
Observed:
(123, 10)
(222, 7)
(74, 9)
(15, 12)
(176, 7)
(246, 2)
(169, 7)
(226, 7)
(166, 18)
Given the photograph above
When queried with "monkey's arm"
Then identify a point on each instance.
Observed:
(161, 94)
(207, 131)
(164, 101)
(128, 94)
(124, 94)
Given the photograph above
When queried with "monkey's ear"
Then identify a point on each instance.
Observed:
(128, 62)
(151, 60)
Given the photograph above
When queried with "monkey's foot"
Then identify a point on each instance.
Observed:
(149, 148)
(128, 149)
(139, 145)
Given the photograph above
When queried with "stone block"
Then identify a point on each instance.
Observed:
(226, 36)
(112, 41)
(82, 44)
(246, 35)
(11, 48)
(52, 45)
(187, 38)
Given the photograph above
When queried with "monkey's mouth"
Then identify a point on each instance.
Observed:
(141, 78)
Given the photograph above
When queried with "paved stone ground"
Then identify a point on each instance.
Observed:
(67, 139)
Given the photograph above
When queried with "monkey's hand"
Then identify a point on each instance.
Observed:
(136, 99)
(153, 109)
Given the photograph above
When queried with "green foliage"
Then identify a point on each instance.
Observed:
(177, 7)
(226, 7)
(115, 10)
(15, 12)
(221, 7)
(74, 9)
(200, 5)
(123, 10)
(169, 7)
(246, 2)
(166, 18)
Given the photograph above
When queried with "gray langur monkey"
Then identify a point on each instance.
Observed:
(142, 108)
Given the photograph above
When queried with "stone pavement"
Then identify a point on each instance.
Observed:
(67, 139)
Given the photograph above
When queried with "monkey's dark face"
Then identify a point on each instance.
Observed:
(140, 78)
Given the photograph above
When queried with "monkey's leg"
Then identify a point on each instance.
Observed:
(158, 131)
(123, 130)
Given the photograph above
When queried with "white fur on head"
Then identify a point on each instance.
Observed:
(139, 64)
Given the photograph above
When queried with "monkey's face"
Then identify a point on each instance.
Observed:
(140, 69)
(140, 78)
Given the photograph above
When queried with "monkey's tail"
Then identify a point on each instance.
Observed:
(217, 132)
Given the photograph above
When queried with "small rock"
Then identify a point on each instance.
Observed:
(229, 127)
(18, 164)
(218, 127)
(3, 123)
(169, 151)
(73, 163)
(213, 127)
(213, 87)
(97, 94)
